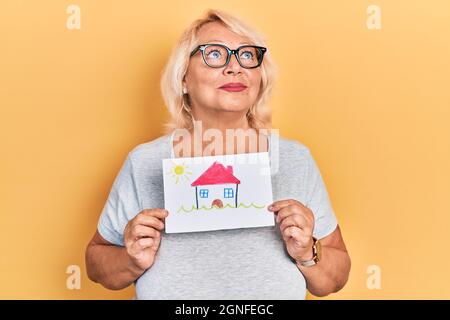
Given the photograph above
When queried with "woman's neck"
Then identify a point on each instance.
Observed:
(226, 134)
(221, 120)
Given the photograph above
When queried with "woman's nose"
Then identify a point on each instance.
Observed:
(233, 66)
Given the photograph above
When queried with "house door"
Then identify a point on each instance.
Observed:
(218, 203)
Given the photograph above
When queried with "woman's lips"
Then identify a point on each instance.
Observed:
(233, 89)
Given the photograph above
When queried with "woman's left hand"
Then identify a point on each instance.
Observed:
(296, 225)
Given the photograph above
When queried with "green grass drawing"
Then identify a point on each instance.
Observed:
(241, 205)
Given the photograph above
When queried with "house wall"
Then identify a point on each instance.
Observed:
(216, 192)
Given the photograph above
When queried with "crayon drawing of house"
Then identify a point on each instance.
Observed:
(216, 186)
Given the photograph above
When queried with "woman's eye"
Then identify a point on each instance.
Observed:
(214, 54)
(247, 55)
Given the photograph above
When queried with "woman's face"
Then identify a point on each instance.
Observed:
(203, 82)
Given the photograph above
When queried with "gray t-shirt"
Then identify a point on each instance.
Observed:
(248, 263)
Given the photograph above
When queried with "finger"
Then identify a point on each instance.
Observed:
(291, 232)
(280, 204)
(140, 245)
(149, 221)
(141, 231)
(295, 210)
(293, 220)
(155, 212)
(287, 211)
(156, 243)
(297, 236)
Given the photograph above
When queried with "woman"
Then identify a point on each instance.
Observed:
(219, 75)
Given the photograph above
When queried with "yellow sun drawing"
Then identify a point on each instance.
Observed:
(179, 171)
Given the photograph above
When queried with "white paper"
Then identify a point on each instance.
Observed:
(217, 192)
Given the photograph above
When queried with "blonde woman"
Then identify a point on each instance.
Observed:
(220, 76)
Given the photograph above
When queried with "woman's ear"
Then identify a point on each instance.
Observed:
(184, 85)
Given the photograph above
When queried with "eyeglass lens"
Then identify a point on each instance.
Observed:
(216, 56)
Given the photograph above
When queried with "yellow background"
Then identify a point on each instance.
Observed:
(372, 105)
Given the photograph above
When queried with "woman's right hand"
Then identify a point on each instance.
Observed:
(142, 236)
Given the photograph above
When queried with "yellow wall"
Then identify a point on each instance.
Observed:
(373, 106)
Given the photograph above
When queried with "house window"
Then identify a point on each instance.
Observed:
(204, 193)
(228, 193)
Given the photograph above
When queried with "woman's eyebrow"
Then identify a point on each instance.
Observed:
(221, 42)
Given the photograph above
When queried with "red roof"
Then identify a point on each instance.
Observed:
(216, 174)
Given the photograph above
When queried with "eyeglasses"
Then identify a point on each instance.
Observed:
(218, 55)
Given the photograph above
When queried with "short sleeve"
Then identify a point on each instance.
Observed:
(121, 206)
(318, 201)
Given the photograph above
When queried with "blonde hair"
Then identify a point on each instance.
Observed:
(259, 115)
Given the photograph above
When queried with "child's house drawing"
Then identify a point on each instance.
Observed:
(217, 186)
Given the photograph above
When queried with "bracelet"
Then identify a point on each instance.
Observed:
(317, 250)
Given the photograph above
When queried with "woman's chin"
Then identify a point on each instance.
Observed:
(234, 105)
(234, 109)
(229, 107)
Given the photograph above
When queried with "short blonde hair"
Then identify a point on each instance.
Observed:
(259, 115)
